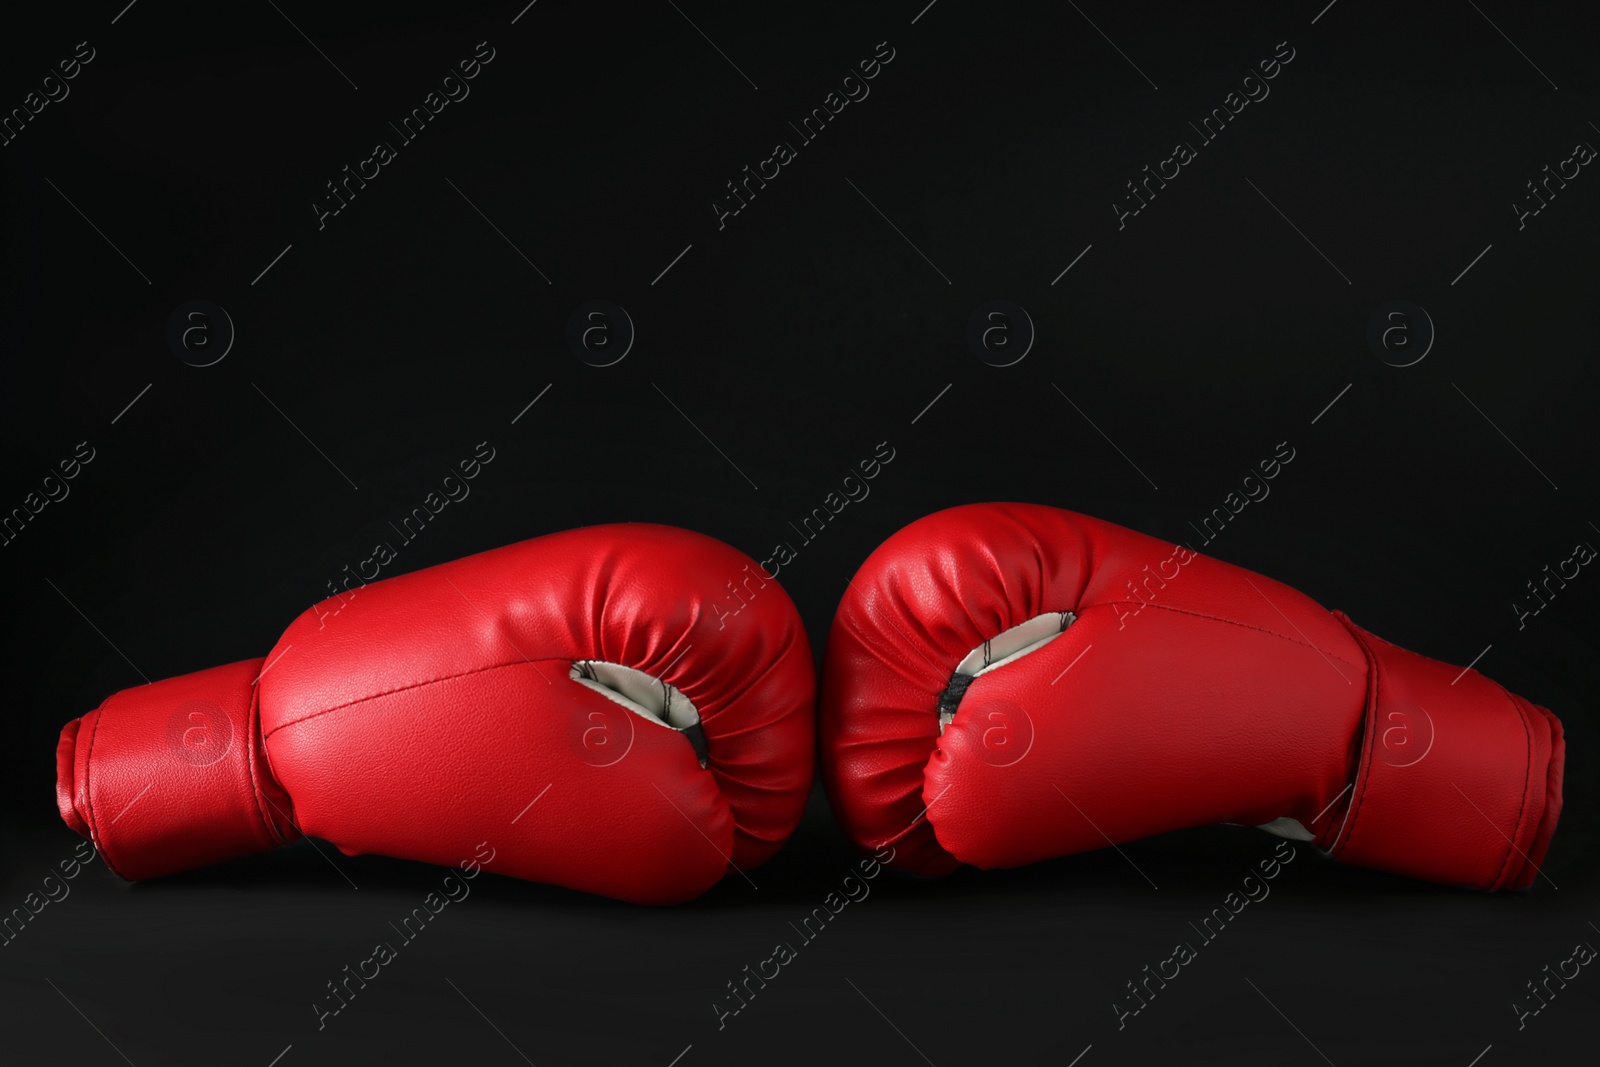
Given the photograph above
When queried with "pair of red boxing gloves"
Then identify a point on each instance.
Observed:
(629, 710)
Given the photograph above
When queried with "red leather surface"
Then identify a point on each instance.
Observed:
(1188, 691)
(1474, 756)
(426, 713)
(170, 775)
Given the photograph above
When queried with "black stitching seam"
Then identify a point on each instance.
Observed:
(403, 688)
(1231, 622)
(252, 718)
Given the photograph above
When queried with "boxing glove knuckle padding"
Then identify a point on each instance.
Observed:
(1005, 683)
(573, 700)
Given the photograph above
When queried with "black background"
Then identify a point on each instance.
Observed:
(798, 337)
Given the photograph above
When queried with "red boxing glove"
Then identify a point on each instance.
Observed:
(1007, 682)
(583, 709)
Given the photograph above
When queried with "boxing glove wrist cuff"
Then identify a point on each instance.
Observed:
(1455, 779)
(172, 775)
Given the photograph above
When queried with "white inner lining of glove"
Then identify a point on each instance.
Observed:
(1010, 645)
(648, 697)
(1284, 826)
